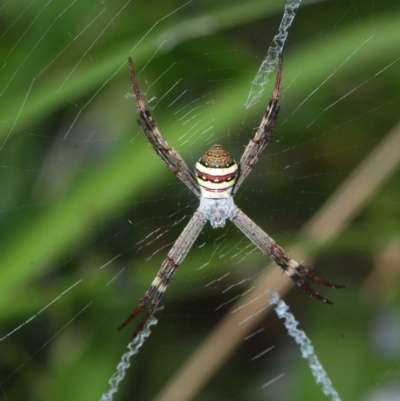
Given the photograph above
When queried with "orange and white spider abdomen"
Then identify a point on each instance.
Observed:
(216, 173)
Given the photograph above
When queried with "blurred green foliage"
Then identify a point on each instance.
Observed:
(84, 198)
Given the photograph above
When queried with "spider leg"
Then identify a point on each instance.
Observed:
(150, 293)
(168, 268)
(257, 145)
(307, 274)
(269, 247)
(298, 273)
(170, 156)
(153, 294)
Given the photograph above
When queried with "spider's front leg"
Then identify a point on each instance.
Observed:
(168, 267)
(154, 293)
(297, 272)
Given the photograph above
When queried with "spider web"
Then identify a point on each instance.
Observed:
(89, 211)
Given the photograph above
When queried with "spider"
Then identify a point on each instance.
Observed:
(217, 178)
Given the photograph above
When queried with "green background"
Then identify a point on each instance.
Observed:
(86, 203)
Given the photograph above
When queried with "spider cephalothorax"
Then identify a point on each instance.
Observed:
(217, 179)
